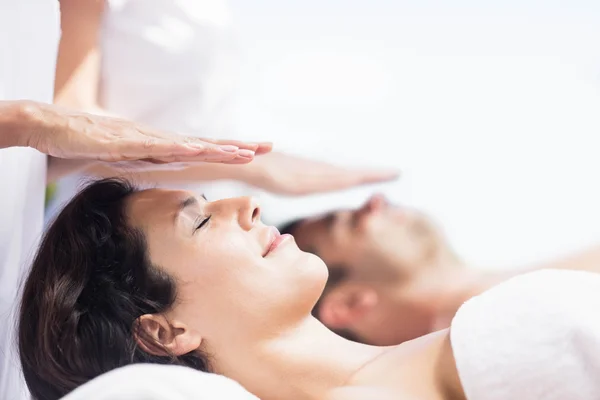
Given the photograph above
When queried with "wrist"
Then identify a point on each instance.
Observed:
(23, 123)
(16, 123)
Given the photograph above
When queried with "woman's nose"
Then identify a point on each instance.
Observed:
(249, 212)
(243, 209)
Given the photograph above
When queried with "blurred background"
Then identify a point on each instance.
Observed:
(491, 109)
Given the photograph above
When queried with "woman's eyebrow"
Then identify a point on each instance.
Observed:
(190, 201)
(183, 205)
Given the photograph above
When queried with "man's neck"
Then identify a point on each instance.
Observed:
(306, 363)
(443, 290)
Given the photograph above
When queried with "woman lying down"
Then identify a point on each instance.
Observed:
(158, 276)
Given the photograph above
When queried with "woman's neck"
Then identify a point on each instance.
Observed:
(305, 363)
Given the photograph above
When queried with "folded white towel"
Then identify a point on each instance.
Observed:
(535, 337)
(159, 382)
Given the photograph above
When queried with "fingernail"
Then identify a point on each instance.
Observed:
(229, 148)
(246, 153)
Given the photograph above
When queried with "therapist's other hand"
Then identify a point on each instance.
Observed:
(296, 176)
(69, 134)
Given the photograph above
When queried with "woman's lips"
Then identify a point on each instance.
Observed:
(276, 239)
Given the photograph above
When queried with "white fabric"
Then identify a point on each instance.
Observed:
(169, 64)
(159, 382)
(535, 337)
(489, 108)
(28, 47)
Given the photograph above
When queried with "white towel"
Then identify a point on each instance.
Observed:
(159, 382)
(535, 337)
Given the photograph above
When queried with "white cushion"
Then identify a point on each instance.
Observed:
(159, 382)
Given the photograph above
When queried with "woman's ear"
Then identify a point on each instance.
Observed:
(158, 336)
(345, 305)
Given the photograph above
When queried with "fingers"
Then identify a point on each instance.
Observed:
(258, 147)
(376, 176)
(264, 148)
(239, 160)
(200, 150)
(139, 142)
(336, 178)
(165, 145)
(225, 143)
(347, 178)
(173, 150)
(242, 157)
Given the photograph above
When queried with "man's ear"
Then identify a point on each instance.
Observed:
(158, 336)
(343, 306)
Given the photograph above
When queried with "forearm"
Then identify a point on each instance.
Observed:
(60, 167)
(78, 64)
(587, 260)
(77, 70)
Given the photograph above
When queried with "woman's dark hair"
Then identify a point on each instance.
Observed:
(89, 283)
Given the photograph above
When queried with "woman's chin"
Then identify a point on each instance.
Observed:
(319, 272)
(314, 262)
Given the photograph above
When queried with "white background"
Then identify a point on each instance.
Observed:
(490, 108)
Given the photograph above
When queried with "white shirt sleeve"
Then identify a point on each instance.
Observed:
(28, 48)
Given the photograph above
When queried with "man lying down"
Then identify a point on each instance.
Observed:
(164, 277)
(392, 274)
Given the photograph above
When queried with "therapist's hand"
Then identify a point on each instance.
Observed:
(68, 134)
(295, 176)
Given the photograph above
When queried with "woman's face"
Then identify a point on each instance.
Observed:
(236, 277)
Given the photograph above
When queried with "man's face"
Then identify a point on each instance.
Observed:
(373, 238)
(386, 253)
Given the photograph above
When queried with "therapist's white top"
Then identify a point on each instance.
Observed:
(170, 64)
(28, 49)
(535, 337)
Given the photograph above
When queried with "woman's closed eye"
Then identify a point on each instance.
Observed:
(200, 222)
